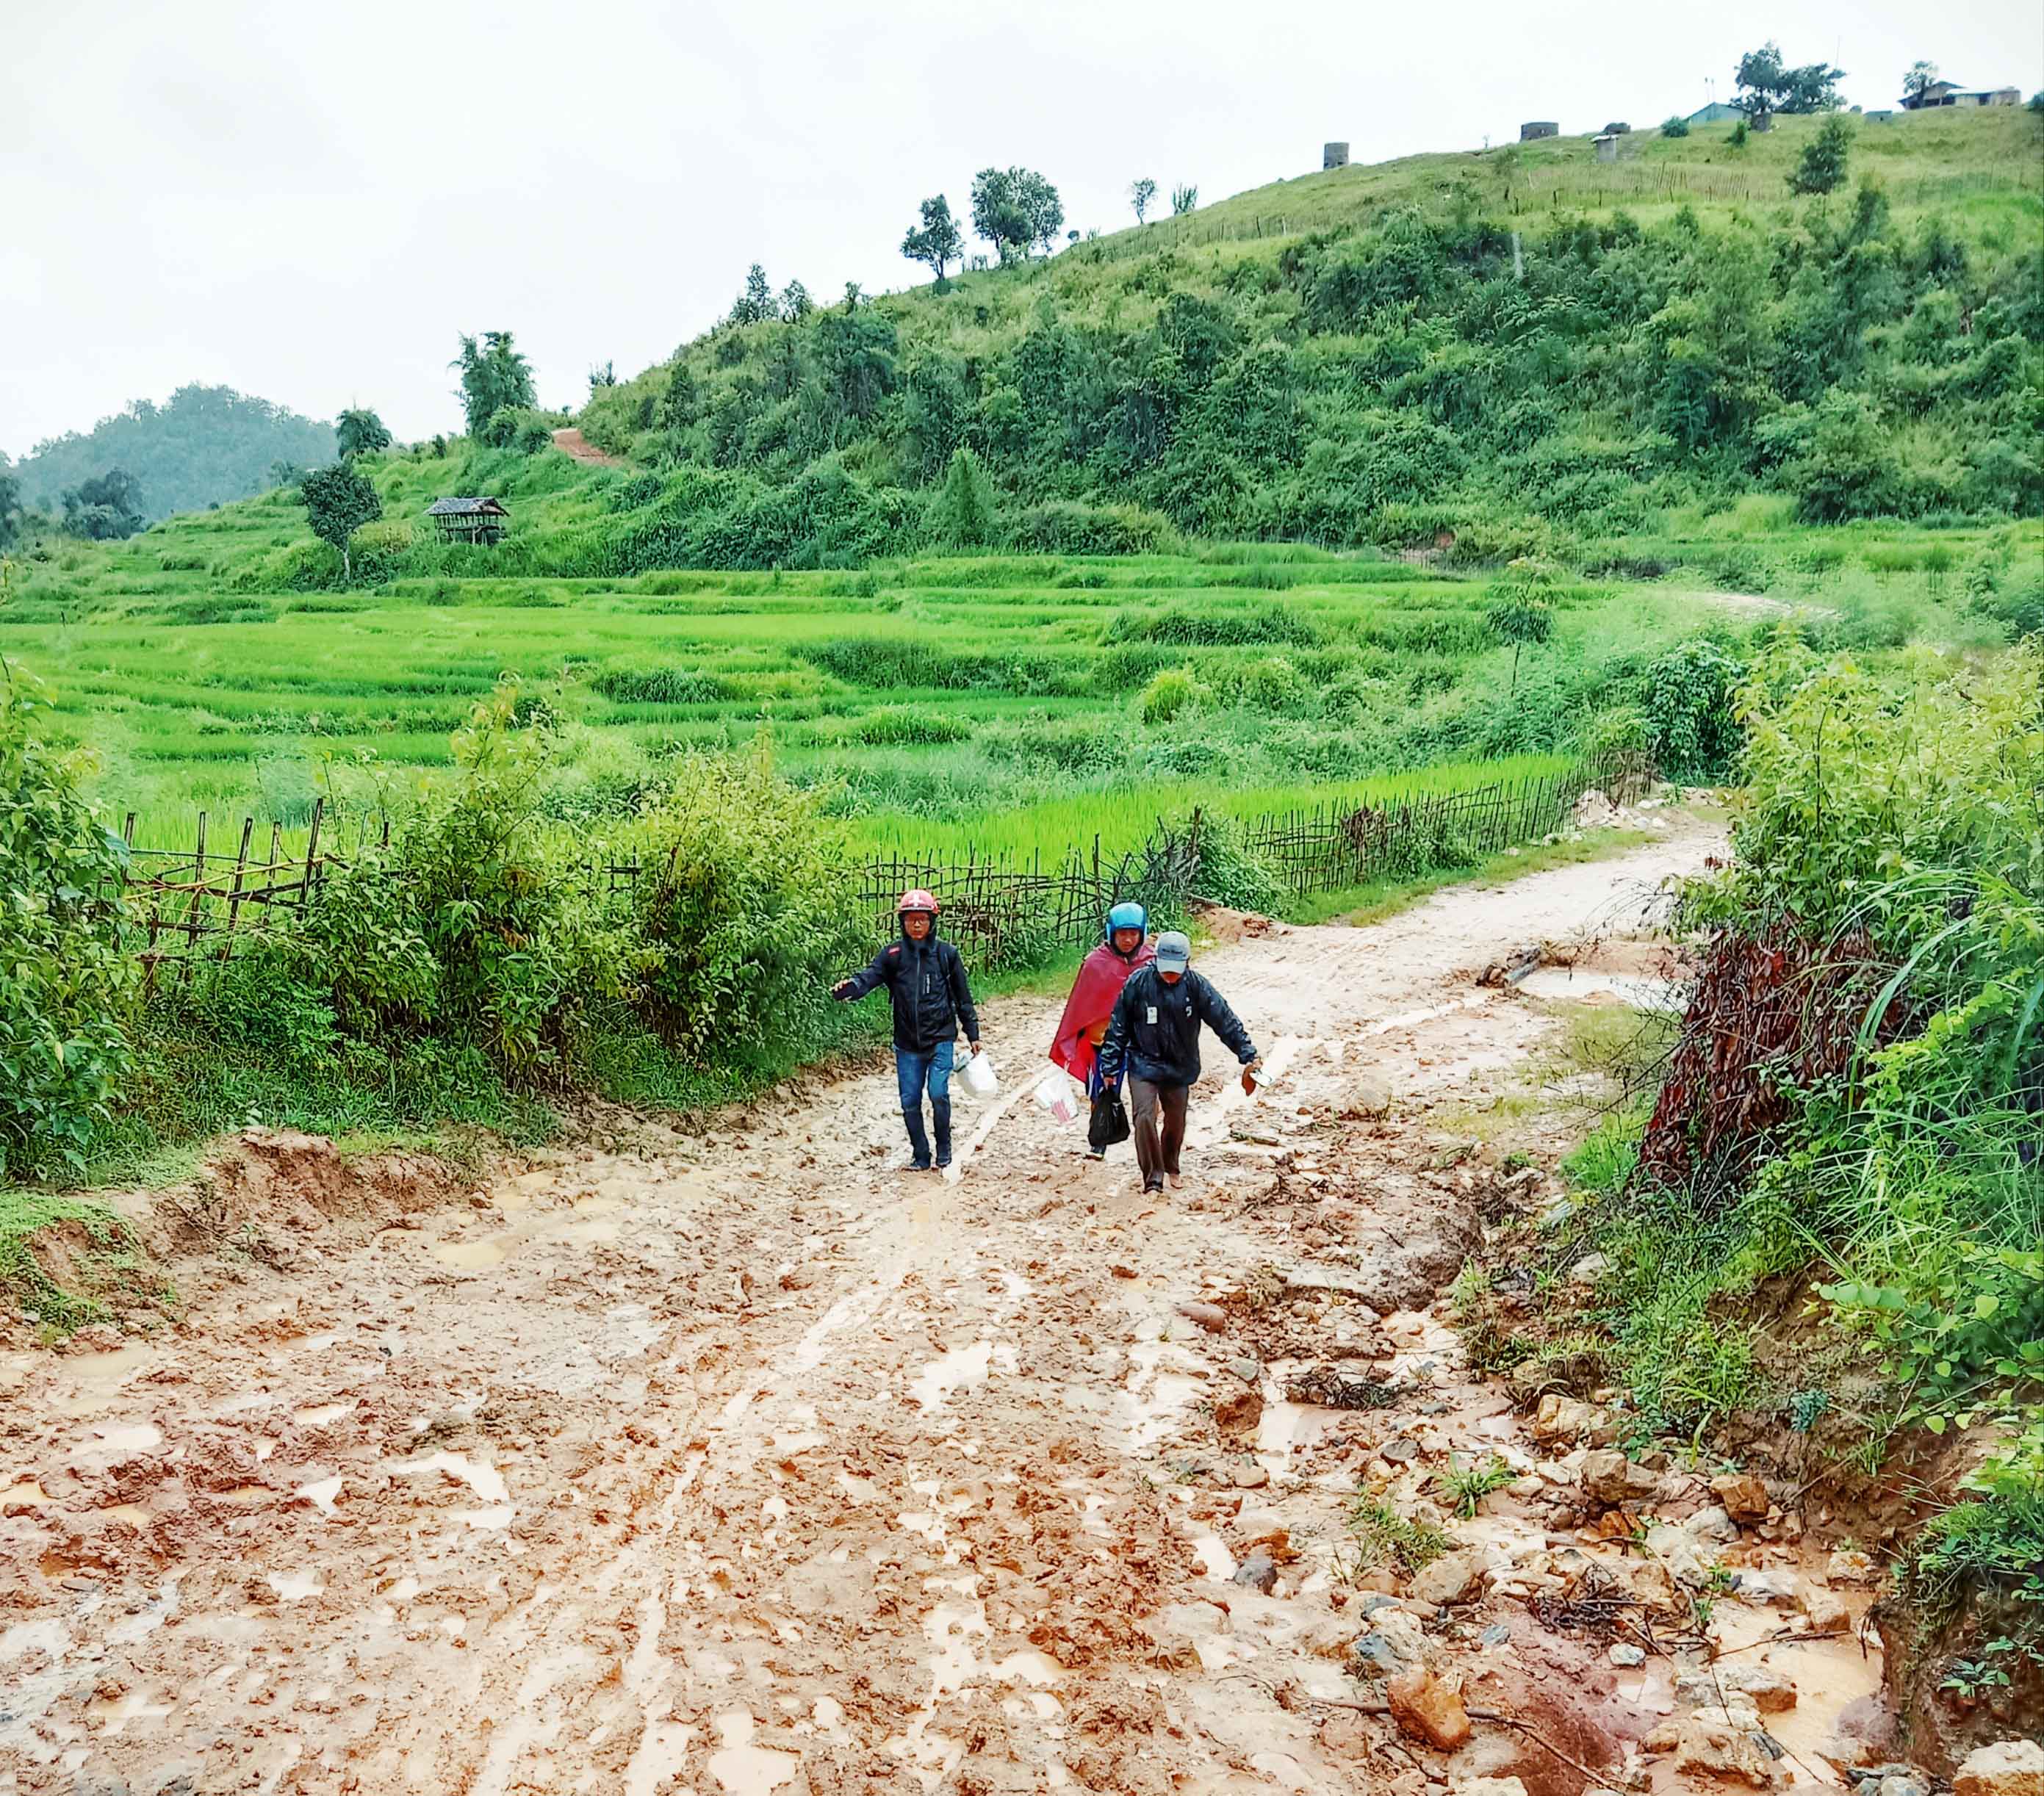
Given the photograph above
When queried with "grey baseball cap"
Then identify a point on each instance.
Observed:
(1175, 951)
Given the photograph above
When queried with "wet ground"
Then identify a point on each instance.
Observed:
(752, 1462)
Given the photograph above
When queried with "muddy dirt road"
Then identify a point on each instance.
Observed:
(753, 1464)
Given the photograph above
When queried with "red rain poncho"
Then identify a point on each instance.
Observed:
(1102, 974)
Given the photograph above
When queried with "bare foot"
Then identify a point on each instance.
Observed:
(1176, 1179)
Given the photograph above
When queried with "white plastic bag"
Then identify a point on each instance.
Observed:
(1055, 1092)
(978, 1077)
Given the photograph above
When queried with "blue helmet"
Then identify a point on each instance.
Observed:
(1127, 915)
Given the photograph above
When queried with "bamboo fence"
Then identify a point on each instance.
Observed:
(200, 906)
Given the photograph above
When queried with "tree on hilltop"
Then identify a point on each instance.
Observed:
(494, 376)
(1140, 193)
(756, 305)
(338, 501)
(361, 433)
(1920, 80)
(796, 304)
(1015, 209)
(1183, 199)
(936, 243)
(1042, 208)
(1767, 84)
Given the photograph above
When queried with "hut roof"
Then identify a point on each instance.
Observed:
(480, 506)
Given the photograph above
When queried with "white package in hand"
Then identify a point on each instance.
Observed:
(978, 1077)
(1055, 1093)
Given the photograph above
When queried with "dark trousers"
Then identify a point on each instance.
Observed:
(913, 1071)
(1157, 1120)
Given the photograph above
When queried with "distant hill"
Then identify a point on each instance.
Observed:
(207, 445)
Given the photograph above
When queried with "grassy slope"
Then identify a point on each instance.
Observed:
(194, 691)
(1977, 170)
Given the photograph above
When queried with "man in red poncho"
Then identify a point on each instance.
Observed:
(1102, 974)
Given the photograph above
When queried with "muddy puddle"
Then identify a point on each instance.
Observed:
(1591, 985)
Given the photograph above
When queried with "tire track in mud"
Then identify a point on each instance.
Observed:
(813, 1475)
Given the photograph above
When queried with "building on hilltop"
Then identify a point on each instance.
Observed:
(1534, 129)
(1718, 112)
(1334, 155)
(1606, 147)
(1951, 94)
(473, 519)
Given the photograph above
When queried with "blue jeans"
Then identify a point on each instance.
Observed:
(913, 1071)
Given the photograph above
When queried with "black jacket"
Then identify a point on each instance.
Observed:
(926, 979)
(1155, 1029)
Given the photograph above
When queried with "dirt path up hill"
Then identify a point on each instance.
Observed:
(748, 1463)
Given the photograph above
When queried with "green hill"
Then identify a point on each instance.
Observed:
(203, 446)
(1525, 347)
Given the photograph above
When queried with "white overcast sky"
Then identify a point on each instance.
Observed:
(308, 202)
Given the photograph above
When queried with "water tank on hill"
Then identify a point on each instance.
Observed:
(1334, 155)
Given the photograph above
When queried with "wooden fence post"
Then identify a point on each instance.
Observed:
(311, 851)
(234, 901)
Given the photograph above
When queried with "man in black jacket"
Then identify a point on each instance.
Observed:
(1155, 1038)
(926, 979)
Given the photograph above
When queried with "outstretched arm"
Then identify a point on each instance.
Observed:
(873, 974)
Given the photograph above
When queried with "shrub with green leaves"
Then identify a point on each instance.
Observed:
(1688, 703)
(741, 916)
(1230, 872)
(65, 978)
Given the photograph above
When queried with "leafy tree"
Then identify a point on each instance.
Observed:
(338, 501)
(13, 514)
(1183, 200)
(104, 510)
(1520, 611)
(755, 305)
(1042, 208)
(1140, 193)
(493, 377)
(1822, 166)
(796, 304)
(936, 243)
(361, 433)
(965, 512)
(288, 474)
(1675, 126)
(1766, 85)
(1013, 208)
(605, 376)
(1921, 78)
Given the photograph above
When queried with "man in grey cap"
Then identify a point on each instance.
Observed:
(1154, 1038)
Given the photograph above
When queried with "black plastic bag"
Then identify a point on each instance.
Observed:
(1109, 1123)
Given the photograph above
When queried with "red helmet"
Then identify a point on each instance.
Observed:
(917, 900)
